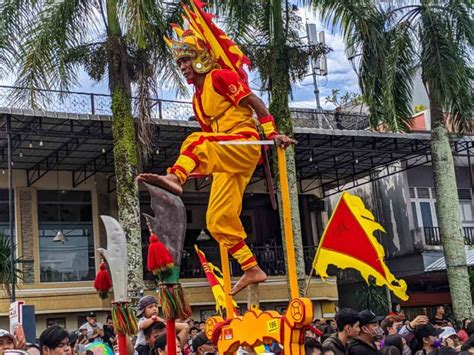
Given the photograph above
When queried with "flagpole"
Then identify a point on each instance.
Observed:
(287, 224)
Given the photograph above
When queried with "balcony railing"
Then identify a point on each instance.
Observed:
(432, 235)
(100, 104)
(270, 259)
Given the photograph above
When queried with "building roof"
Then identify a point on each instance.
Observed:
(327, 159)
(440, 264)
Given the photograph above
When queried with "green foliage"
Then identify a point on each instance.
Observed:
(371, 297)
(384, 42)
(347, 98)
(6, 273)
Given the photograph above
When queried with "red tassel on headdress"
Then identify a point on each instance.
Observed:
(159, 257)
(103, 281)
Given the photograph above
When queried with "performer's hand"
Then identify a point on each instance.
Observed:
(283, 141)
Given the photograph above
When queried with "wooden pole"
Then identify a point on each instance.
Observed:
(287, 225)
(170, 337)
(229, 307)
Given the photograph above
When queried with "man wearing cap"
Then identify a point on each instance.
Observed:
(427, 337)
(7, 341)
(94, 330)
(370, 332)
(202, 345)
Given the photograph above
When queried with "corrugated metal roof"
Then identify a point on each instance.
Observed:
(440, 264)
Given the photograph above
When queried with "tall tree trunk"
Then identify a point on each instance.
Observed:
(280, 84)
(125, 149)
(447, 210)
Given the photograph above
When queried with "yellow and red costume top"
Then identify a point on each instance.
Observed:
(218, 109)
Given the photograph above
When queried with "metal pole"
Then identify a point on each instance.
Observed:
(10, 212)
(287, 224)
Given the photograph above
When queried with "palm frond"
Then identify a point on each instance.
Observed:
(15, 16)
(445, 68)
(44, 61)
(398, 76)
(460, 20)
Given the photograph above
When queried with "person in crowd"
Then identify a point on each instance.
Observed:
(82, 340)
(396, 311)
(151, 334)
(148, 314)
(462, 334)
(316, 323)
(55, 341)
(94, 330)
(427, 337)
(331, 327)
(33, 349)
(395, 344)
(468, 347)
(312, 346)
(202, 326)
(7, 341)
(370, 332)
(439, 320)
(109, 334)
(347, 321)
(161, 348)
(450, 339)
(391, 325)
(202, 345)
(193, 332)
(408, 330)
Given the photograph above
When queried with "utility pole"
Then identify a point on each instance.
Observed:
(319, 65)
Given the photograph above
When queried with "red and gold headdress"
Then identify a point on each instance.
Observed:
(206, 44)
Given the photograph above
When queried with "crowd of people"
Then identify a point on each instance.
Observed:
(364, 333)
(350, 333)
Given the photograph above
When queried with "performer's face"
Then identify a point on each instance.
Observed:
(186, 66)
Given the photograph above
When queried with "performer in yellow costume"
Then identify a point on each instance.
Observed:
(224, 106)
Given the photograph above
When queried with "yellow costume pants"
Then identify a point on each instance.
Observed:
(231, 167)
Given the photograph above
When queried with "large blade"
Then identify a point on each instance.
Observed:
(116, 256)
(169, 222)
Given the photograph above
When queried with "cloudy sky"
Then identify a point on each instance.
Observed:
(340, 73)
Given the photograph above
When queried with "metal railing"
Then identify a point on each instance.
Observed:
(100, 104)
(270, 259)
(432, 236)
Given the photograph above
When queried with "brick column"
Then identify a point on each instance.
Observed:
(28, 228)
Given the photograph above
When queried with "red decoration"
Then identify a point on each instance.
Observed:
(103, 281)
(159, 257)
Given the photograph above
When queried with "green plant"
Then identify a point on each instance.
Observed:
(370, 296)
(7, 276)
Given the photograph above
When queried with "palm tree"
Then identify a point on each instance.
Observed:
(392, 44)
(48, 41)
(268, 31)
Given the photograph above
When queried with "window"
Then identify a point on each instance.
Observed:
(50, 322)
(4, 213)
(423, 204)
(71, 213)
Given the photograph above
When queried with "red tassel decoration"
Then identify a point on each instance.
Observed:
(103, 281)
(159, 257)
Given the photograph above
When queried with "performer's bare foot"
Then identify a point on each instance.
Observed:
(169, 182)
(254, 275)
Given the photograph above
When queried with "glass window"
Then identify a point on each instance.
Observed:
(4, 213)
(415, 215)
(466, 211)
(71, 213)
(427, 219)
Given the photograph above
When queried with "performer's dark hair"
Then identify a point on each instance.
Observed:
(52, 337)
(346, 316)
(155, 326)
